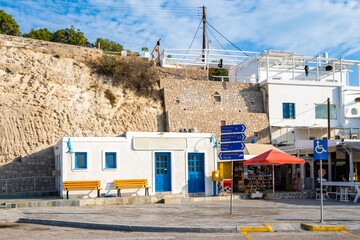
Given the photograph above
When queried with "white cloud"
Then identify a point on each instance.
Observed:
(306, 27)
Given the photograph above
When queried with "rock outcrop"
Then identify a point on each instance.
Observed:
(50, 90)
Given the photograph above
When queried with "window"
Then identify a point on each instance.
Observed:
(223, 123)
(289, 110)
(177, 100)
(321, 111)
(80, 160)
(217, 97)
(110, 160)
(353, 111)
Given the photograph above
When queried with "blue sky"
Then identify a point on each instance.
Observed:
(308, 27)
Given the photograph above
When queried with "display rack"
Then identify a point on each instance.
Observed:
(257, 181)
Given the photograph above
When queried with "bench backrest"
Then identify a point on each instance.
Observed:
(81, 184)
(130, 182)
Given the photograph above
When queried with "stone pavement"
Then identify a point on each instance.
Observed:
(207, 216)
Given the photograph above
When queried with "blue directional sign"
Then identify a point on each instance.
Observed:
(231, 155)
(321, 149)
(232, 146)
(233, 137)
(233, 128)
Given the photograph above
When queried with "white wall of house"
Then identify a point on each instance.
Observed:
(135, 161)
(352, 108)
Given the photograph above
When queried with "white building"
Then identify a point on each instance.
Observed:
(296, 89)
(171, 162)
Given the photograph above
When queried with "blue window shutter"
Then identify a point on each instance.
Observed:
(292, 110)
(286, 113)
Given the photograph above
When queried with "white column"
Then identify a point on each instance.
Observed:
(267, 66)
(317, 69)
(351, 163)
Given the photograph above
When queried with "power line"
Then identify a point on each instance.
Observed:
(193, 38)
(226, 39)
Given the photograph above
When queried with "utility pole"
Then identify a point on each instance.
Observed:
(204, 33)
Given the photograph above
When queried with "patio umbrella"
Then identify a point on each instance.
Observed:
(274, 158)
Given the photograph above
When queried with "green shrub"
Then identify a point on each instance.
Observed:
(132, 73)
(109, 95)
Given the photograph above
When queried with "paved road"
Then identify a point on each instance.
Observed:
(31, 231)
(202, 214)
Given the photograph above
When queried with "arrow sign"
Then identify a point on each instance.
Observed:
(233, 128)
(233, 137)
(231, 155)
(232, 146)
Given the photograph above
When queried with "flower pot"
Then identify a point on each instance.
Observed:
(256, 195)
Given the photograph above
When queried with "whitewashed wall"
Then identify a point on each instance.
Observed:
(352, 121)
(133, 164)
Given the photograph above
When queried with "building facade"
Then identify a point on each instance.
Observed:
(178, 163)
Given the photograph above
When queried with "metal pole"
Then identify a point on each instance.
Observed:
(232, 187)
(321, 196)
(273, 177)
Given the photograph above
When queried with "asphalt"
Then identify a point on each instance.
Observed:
(248, 216)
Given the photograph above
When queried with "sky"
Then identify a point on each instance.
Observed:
(307, 27)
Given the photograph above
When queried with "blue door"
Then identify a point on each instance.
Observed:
(196, 174)
(162, 172)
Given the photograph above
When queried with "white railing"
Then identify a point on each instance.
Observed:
(208, 58)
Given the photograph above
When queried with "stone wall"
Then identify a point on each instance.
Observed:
(206, 105)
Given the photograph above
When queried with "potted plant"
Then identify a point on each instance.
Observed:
(256, 193)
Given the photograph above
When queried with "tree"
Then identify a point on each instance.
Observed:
(108, 45)
(70, 36)
(144, 49)
(8, 25)
(41, 34)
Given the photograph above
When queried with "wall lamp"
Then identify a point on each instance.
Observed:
(213, 138)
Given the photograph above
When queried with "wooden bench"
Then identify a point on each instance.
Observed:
(81, 186)
(131, 184)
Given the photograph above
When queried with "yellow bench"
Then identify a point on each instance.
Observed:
(81, 186)
(131, 184)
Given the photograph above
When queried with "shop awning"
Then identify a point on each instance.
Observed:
(355, 144)
(257, 149)
(274, 157)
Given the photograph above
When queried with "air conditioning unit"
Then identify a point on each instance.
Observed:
(192, 130)
(354, 136)
(183, 130)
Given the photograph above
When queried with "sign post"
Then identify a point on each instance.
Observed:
(232, 142)
(321, 153)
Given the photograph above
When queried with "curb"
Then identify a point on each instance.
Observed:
(310, 227)
(267, 228)
(129, 228)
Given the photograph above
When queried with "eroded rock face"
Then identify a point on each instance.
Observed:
(45, 96)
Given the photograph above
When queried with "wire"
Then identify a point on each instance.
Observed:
(227, 39)
(193, 39)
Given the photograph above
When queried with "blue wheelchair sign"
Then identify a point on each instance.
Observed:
(321, 149)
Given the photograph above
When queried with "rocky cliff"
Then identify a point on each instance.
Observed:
(50, 90)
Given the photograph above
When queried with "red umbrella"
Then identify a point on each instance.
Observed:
(273, 157)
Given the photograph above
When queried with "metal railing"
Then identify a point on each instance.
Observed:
(31, 184)
(208, 58)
